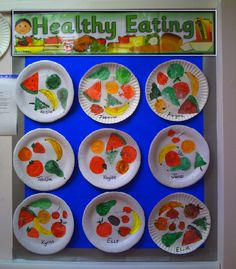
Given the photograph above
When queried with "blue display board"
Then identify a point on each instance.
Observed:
(143, 126)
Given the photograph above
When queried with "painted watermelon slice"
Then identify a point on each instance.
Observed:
(192, 235)
(93, 93)
(189, 106)
(31, 84)
(26, 216)
(115, 141)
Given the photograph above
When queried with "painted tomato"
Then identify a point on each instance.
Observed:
(55, 215)
(25, 154)
(172, 159)
(122, 167)
(58, 229)
(104, 229)
(32, 232)
(97, 165)
(127, 209)
(34, 168)
(128, 154)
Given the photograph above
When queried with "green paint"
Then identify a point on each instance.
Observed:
(112, 101)
(62, 95)
(101, 73)
(53, 81)
(199, 162)
(175, 72)
(202, 223)
(155, 92)
(104, 208)
(52, 167)
(39, 104)
(169, 94)
(111, 155)
(185, 164)
(123, 76)
(169, 239)
(43, 203)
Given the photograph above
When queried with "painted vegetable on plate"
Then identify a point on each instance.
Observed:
(107, 91)
(179, 224)
(179, 154)
(174, 90)
(114, 223)
(37, 220)
(113, 151)
(44, 148)
(48, 97)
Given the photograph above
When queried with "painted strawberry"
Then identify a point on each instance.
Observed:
(124, 231)
(38, 147)
(127, 209)
(32, 232)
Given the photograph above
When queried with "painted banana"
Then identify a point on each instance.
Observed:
(51, 96)
(116, 111)
(137, 222)
(40, 228)
(56, 146)
(194, 83)
(164, 151)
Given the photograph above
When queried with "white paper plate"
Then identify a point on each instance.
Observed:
(198, 226)
(120, 106)
(43, 223)
(57, 150)
(5, 35)
(178, 156)
(119, 227)
(52, 108)
(106, 174)
(192, 86)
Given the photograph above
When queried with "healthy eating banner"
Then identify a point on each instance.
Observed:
(113, 32)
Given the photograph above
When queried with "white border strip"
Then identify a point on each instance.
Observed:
(109, 265)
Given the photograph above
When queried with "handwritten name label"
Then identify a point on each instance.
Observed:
(42, 178)
(176, 175)
(109, 178)
(46, 111)
(176, 116)
(181, 249)
(47, 242)
(106, 117)
(112, 241)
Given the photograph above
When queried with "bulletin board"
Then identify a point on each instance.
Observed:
(143, 126)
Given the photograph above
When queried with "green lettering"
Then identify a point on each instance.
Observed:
(43, 25)
(130, 23)
(164, 24)
(77, 24)
(188, 27)
(155, 23)
(144, 27)
(110, 28)
(97, 26)
(67, 28)
(54, 28)
(86, 25)
(174, 26)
